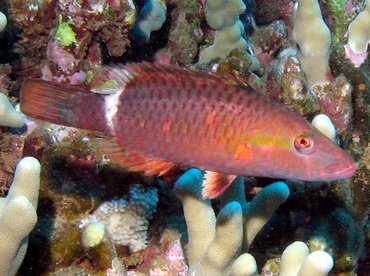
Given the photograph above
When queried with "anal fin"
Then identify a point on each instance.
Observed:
(132, 160)
(215, 184)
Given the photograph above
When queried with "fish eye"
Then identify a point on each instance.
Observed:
(305, 144)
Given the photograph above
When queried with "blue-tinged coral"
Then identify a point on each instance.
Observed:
(211, 249)
(151, 18)
(18, 215)
(3, 21)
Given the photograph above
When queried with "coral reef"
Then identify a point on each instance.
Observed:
(151, 18)
(211, 249)
(8, 115)
(184, 36)
(11, 151)
(359, 37)
(18, 215)
(78, 32)
(323, 123)
(335, 100)
(314, 60)
(3, 21)
(126, 221)
(296, 260)
(314, 40)
(5, 82)
(223, 16)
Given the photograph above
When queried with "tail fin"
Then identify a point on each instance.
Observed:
(64, 104)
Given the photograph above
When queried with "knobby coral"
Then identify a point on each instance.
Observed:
(215, 243)
(8, 115)
(223, 16)
(3, 21)
(18, 215)
(314, 39)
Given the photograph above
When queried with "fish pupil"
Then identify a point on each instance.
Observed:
(304, 144)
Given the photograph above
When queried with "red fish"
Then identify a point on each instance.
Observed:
(160, 115)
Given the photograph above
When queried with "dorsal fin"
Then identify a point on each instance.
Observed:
(134, 161)
(111, 79)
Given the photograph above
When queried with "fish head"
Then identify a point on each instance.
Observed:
(309, 155)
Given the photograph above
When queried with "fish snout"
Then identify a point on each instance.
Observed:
(339, 170)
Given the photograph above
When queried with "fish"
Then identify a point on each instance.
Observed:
(156, 117)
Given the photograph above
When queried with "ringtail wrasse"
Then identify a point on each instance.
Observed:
(159, 116)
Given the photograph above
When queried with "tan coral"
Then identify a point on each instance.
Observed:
(18, 215)
(359, 31)
(314, 39)
(214, 244)
(8, 115)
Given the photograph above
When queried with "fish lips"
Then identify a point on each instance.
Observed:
(340, 170)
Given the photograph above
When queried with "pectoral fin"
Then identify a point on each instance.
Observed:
(215, 183)
(134, 161)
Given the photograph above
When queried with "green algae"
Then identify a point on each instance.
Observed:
(66, 248)
(64, 33)
(341, 20)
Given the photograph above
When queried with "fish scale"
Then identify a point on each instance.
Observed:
(194, 143)
(162, 115)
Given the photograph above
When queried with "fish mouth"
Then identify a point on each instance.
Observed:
(339, 170)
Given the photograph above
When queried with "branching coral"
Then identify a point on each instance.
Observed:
(151, 18)
(18, 215)
(359, 37)
(314, 39)
(296, 260)
(223, 16)
(215, 243)
(8, 115)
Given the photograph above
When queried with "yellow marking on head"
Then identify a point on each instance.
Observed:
(270, 140)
